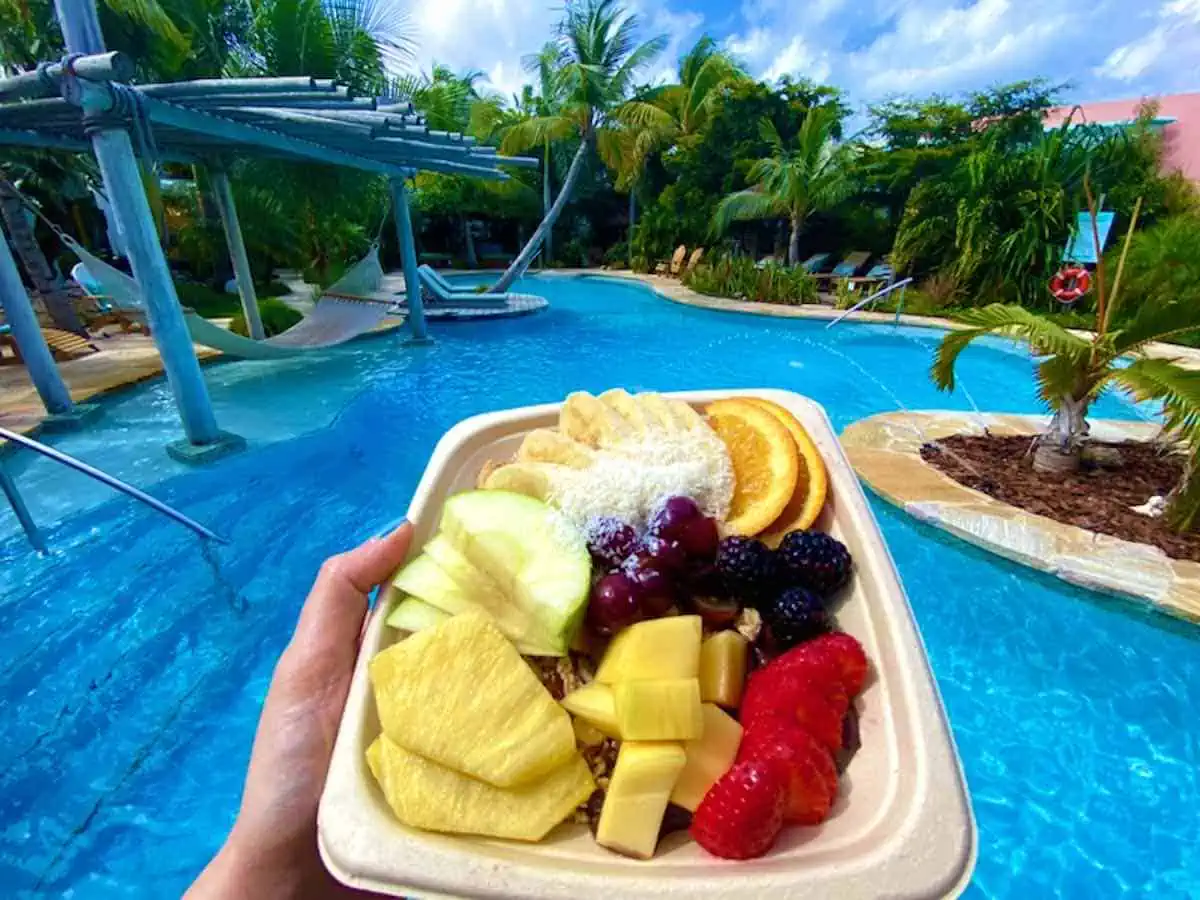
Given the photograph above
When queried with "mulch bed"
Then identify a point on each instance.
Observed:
(1096, 499)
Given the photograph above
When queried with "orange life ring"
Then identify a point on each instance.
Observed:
(1070, 283)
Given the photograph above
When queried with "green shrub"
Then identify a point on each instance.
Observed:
(277, 317)
(740, 279)
(209, 303)
(617, 256)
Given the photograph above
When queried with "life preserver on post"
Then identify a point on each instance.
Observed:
(1070, 283)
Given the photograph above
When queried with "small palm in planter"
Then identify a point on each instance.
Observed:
(1074, 369)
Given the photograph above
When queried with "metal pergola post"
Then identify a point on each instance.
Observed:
(237, 250)
(39, 361)
(114, 151)
(408, 253)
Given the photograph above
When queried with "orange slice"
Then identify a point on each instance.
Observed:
(765, 461)
(812, 484)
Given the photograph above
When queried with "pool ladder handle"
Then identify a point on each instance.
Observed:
(875, 296)
(22, 511)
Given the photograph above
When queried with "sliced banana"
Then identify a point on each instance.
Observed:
(545, 445)
(585, 419)
(657, 411)
(687, 418)
(531, 479)
(626, 406)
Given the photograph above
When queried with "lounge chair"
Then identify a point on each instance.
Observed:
(814, 262)
(694, 259)
(675, 264)
(445, 294)
(65, 345)
(847, 268)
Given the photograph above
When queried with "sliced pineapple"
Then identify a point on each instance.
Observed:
(666, 709)
(461, 695)
(637, 797)
(426, 795)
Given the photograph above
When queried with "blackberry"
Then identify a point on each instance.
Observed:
(814, 560)
(748, 568)
(796, 615)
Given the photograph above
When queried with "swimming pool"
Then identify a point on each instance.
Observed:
(133, 668)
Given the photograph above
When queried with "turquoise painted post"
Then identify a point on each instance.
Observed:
(114, 152)
(408, 252)
(237, 251)
(39, 361)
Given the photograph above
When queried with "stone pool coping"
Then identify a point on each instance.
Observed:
(885, 450)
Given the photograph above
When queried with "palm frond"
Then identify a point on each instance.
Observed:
(535, 132)
(640, 114)
(746, 205)
(1176, 388)
(1157, 322)
(947, 353)
(1044, 336)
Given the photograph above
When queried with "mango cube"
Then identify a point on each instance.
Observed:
(723, 669)
(657, 648)
(708, 758)
(594, 703)
(666, 709)
(637, 797)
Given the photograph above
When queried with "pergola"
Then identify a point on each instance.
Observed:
(85, 103)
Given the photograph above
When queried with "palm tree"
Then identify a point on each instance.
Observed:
(794, 181)
(669, 113)
(599, 60)
(1074, 370)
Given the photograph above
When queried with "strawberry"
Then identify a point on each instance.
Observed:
(742, 813)
(781, 693)
(828, 659)
(812, 783)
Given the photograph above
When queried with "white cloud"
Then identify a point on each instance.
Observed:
(870, 48)
(798, 59)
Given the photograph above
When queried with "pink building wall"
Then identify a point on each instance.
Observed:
(1181, 138)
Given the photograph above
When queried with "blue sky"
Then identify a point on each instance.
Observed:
(1107, 49)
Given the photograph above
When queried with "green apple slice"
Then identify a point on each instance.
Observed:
(539, 560)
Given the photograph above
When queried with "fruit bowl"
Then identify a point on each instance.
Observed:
(902, 825)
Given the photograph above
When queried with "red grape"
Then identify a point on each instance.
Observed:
(662, 554)
(672, 516)
(656, 592)
(610, 540)
(614, 603)
(699, 538)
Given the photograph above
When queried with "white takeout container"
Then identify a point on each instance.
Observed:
(902, 825)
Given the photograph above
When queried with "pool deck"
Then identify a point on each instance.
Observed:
(886, 452)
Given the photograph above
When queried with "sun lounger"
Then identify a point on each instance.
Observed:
(694, 259)
(445, 294)
(847, 268)
(65, 345)
(676, 263)
(814, 262)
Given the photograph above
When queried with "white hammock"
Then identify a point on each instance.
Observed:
(344, 311)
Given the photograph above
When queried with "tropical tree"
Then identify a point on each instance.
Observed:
(1073, 370)
(600, 59)
(806, 176)
(667, 114)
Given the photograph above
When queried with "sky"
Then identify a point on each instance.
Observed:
(872, 49)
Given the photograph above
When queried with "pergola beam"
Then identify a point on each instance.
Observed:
(208, 87)
(43, 81)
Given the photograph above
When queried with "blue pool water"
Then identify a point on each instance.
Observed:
(131, 671)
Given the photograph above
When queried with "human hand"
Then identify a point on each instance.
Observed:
(272, 850)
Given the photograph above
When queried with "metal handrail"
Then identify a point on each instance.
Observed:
(875, 296)
(106, 479)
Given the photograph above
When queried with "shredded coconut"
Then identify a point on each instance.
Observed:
(629, 479)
